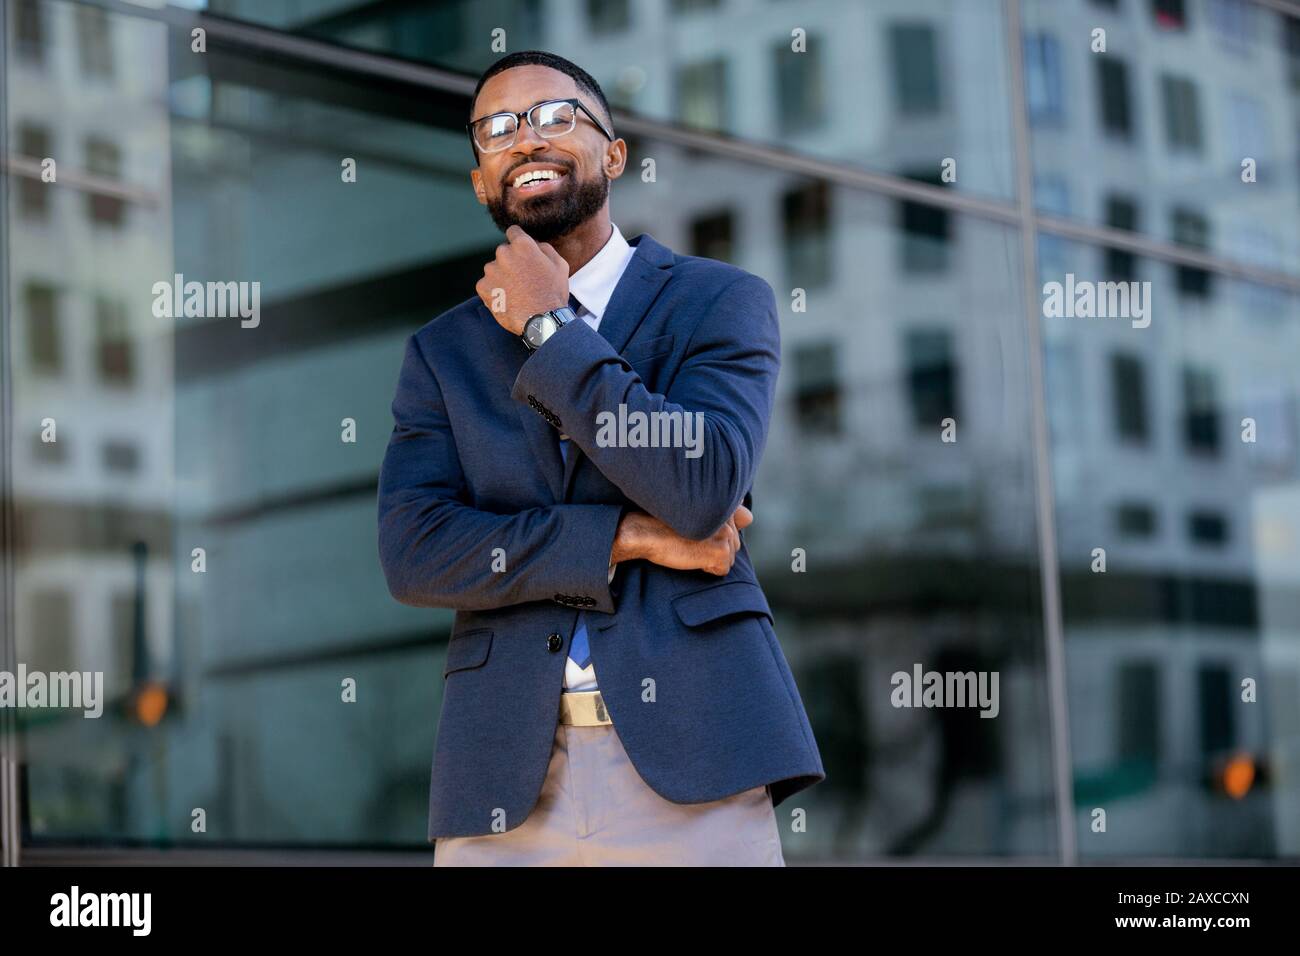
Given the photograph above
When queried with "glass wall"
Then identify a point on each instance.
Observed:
(1177, 483)
(203, 527)
(1188, 118)
(890, 85)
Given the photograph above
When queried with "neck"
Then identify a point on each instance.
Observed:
(580, 244)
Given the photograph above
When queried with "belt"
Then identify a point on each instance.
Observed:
(583, 708)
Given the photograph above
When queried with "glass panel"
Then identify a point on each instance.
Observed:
(1176, 458)
(1191, 107)
(203, 528)
(889, 85)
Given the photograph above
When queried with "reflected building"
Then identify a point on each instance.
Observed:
(896, 508)
(92, 391)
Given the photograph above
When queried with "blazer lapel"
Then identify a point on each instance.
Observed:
(637, 288)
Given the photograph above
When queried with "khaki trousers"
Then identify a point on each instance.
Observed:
(595, 810)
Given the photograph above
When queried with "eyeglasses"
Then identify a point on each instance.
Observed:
(549, 119)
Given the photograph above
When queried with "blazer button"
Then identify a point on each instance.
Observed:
(554, 643)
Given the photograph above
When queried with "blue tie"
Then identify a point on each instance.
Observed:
(579, 651)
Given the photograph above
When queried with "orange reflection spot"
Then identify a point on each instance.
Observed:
(1238, 775)
(151, 704)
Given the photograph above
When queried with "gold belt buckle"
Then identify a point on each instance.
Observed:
(583, 708)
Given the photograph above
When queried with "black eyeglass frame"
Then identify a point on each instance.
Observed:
(527, 115)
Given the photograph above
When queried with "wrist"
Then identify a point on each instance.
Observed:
(630, 539)
(540, 326)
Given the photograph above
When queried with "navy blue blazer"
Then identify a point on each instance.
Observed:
(472, 481)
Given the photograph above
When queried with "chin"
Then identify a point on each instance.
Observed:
(541, 228)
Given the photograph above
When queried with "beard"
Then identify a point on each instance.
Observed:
(548, 217)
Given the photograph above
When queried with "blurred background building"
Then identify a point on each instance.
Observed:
(820, 171)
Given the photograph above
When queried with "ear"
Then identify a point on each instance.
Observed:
(476, 178)
(615, 159)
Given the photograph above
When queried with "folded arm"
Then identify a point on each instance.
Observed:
(438, 551)
(728, 378)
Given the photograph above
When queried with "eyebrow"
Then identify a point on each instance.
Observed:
(544, 99)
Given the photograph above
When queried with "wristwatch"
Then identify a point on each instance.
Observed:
(543, 325)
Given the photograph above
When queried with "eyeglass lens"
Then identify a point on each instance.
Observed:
(548, 119)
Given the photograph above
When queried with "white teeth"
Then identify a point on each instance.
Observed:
(535, 175)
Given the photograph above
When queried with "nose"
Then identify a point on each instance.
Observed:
(527, 140)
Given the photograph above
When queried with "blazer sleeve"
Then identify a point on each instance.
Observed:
(436, 550)
(728, 376)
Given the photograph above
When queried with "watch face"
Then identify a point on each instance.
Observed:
(539, 329)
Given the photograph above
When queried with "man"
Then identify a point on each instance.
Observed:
(614, 692)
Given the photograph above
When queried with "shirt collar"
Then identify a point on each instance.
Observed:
(594, 283)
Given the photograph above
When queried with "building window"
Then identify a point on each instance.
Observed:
(1217, 702)
(1200, 411)
(1207, 527)
(931, 376)
(1052, 194)
(113, 342)
(800, 91)
(1113, 94)
(608, 16)
(1247, 128)
(1120, 265)
(806, 223)
(94, 41)
(692, 6)
(702, 94)
(33, 194)
(1182, 113)
(51, 632)
(1191, 229)
(914, 55)
(104, 159)
(1234, 22)
(1129, 398)
(127, 656)
(925, 231)
(29, 31)
(44, 334)
(120, 456)
(1135, 519)
(1044, 93)
(1169, 14)
(711, 236)
(817, 388)
(1139, 713)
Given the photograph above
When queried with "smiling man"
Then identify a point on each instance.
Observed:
(614, 691)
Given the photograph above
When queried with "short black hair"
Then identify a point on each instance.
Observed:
(584, 80)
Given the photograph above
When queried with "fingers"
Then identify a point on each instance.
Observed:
(743, 517)
(516, 234)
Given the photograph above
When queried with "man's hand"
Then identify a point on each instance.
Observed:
(525, 278)
(643, 536)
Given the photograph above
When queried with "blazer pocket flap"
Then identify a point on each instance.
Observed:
(720, 600)
(467, 650)
(659, 345)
